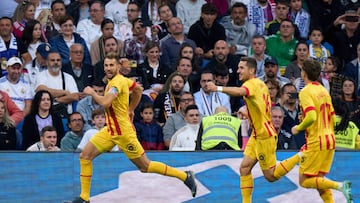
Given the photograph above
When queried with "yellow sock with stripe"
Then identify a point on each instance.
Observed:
(326, 196)
(246, 187)
(85, 178)
(163, 169)
(320, 183)
(285, 166)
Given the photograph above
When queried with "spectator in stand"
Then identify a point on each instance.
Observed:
(186, 50)
(293, 70)
(281, 13)
(167, 102)
(148, 132)
(257, 51)
(349, 96)
(316, 49)
(24, 12)
(282, 45)
(90, 29)
(300, 17)
(347, 134)
(8, 43)
(272, 72)
(7, 129)
(79, 10)
(177, 120)
(220, 131)
(260, 13)
(289, 102)
(48, 139)
(78, 69)
(87, 105)
(285, 140)
(345, 36)
(98, 122)
(221, 75)
(32, 37)
(222, 56)
(352, 69)
(185, 138)
(134, 47)
(97, 50)
(15, 113)
(63, 41)
(189, 11)
(41, 115)
(184, 68)
(152, 71)
(53, 24)
(116, 10)
(238, 30)
(170, 47)
(208, 101)
(274, 90)
(37, 65)
(110, 45)
(15, 86)
(62, 86)
(72, 139)
(125, 27)
(330, 73)
(149, 11)
(206, 31)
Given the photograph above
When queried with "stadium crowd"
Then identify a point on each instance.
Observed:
(50, 50)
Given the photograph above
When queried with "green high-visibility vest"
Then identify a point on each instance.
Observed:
(220, 127)
(346, 138)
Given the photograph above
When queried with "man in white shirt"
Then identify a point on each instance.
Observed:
(61, 86)
(48, 138)
(90, 29)
(116, 10)
(15, 86)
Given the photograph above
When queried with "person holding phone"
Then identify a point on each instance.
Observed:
(345, 35)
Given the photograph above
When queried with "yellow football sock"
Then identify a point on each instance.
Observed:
(326, 196)
(163, 169)
(85, 178)
(285, 166)
(320, 183)
(246, 187)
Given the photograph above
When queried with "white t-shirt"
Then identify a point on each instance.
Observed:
(19, 92)
(185, 138)
(116, 11)
(89, 31)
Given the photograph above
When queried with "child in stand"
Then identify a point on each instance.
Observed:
(7, 129)
(98, 120)
(316, 49)
(149, 133)
(330, 74)
(300, 17)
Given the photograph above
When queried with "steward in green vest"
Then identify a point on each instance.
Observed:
(220, 131)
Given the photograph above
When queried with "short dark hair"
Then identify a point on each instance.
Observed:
(106, 21)
(221, 70)
(146, 105)
(65, 18)
(282, 90)
(56, 2)
(312, 68)
(209, 8)
(191, 107)
(47, 128)
(96, 112)
(111, 37)
(250, 62)
(239, 5)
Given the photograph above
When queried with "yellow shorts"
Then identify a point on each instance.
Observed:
(314, 162)
(128, 143)
(263, 150)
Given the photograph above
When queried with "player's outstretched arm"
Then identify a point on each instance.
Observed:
(104, 101)
(233, 91)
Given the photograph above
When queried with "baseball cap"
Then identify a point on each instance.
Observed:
(44, 49)
(271, 60)
(13, 60)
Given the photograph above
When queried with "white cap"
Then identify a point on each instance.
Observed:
(12, 61)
